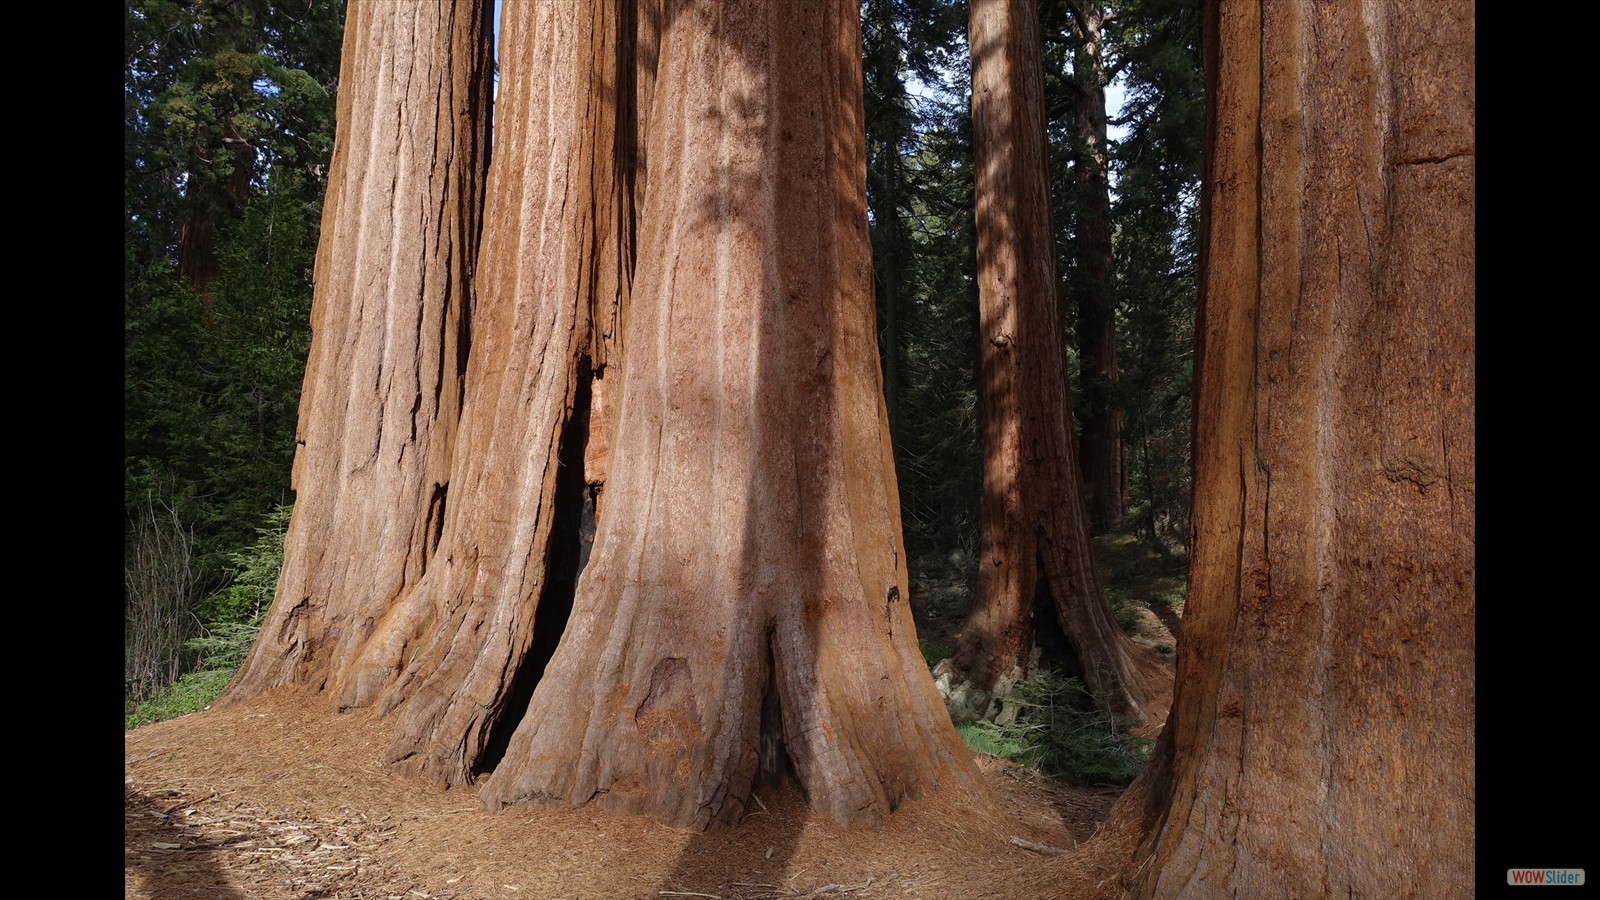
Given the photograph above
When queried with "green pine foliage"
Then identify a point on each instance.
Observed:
(228, 133)
(920, 192)
(1157, 212)
(253, 575)
(1153, 53)
(211, 392)
(1063, 730)
(233, 617)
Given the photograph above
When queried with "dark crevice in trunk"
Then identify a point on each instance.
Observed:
(1055, 651)
(775, 763)
(463, 345)
(434, 527)
(568, 551)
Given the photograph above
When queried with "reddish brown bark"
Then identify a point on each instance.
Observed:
(748, 589)
(1035, 532)
(389, 330)
(445, 659)
(1322, 735)
(750, 553)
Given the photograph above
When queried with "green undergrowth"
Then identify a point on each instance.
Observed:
(1064, 730)
(1060, 728)
(980, 739)
(934, 651)
(192, 692)
(1137, 577)
(233, 619)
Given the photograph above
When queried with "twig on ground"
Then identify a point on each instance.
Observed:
(1038, 848)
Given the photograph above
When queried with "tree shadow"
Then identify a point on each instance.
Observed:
(164, 858)
(751, 857)
(1169, 617)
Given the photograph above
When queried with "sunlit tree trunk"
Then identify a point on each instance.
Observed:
(746, 608)
(390, 324)
(746, 605)
(1035, 558)
(457, 656)
(1322, 735)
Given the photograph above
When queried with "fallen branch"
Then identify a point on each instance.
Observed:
(1037, 848)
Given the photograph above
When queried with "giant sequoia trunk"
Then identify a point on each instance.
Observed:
(390, 321)
(1321, 741)
(1035, 532)
(414, 580)
(746, 601)
(446, 659)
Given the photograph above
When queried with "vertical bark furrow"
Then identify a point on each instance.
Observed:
(468, 628)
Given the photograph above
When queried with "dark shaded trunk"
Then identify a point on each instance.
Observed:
(886, 121)
(198, 264)
(1034, 528)
(1105, 478)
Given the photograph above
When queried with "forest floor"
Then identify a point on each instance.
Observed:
(280, 797)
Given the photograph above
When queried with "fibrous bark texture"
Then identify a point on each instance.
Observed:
(446, 659)
(1035, 531)
(1321, 742)
(390, 322)
(747, 591)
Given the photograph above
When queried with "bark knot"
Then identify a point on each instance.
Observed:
(1410, 471)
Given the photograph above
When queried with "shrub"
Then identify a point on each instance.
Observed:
(934, 651)
(1063, 729)
(1124, 610)
(234, 617)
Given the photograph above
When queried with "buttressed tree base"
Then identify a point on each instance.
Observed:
(745, 608)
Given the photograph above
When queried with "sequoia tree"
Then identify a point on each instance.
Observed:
(450, 654)
(1035, 558)
(745, 609)
(745, 606)
(1321, 741)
